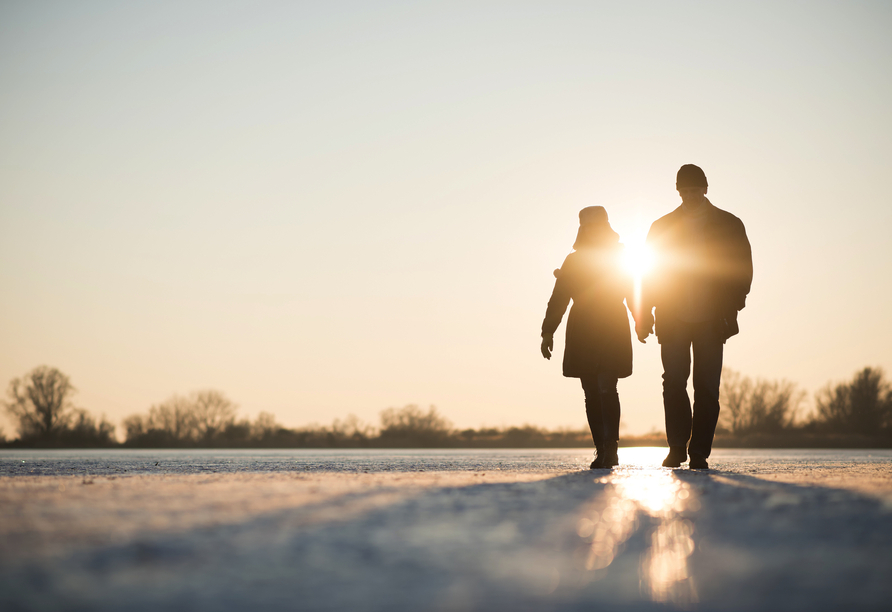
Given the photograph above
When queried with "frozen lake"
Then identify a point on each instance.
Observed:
(443, 530)
(545, 461)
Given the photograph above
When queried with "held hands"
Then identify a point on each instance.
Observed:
(644, 328)
(547, 345)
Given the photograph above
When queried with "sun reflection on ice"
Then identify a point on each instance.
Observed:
(641, 487)
(664, 566)
(607, 531)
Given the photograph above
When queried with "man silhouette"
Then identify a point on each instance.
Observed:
(701, 277)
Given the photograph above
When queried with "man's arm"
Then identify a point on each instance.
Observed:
(743, 267)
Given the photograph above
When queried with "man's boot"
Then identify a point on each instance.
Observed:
(677, 455)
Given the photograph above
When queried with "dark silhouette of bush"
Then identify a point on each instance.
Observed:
(525, 436)
(85, 430)
(862, 406)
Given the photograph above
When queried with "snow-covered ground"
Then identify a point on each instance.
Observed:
(501, 530)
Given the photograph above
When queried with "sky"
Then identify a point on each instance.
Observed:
(332, 208)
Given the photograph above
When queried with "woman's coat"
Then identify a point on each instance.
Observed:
(599, 338)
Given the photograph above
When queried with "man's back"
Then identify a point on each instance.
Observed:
(703, 265)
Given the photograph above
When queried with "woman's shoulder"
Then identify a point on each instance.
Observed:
(569, 267)
(570, 260)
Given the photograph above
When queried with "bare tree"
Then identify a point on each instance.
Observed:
(212, 412)
(774, 405)
(411, 423)
(352, 427)
(759, 406)
(263, 426)
(203, 416)
(863, 405)
(84, 428)
(175, 417)
(135, 426)
(41, 402)
(735, 394)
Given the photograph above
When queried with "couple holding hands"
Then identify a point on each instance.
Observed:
(701, 276)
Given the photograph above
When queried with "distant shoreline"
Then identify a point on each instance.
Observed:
(564, 440)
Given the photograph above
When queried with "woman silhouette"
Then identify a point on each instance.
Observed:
(598, 350)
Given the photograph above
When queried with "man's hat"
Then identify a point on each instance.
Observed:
(690, 175)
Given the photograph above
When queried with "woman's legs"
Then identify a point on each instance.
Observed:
(602, 411)
(593, 411)
(609, 402)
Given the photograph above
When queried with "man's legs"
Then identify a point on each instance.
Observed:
(675, 352)
(708, 349)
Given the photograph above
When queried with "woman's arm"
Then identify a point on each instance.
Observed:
(557, 306)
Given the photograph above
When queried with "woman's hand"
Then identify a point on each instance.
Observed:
(547, 345)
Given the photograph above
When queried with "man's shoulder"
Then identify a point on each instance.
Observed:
(666, 221)
(725, 218)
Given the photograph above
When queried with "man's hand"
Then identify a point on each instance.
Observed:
(547, 345)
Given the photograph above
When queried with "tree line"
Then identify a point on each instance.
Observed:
(853, 413)
(755, 412)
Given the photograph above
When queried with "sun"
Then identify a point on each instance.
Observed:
(638, 259)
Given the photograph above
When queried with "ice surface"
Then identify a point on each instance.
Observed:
(444, 530)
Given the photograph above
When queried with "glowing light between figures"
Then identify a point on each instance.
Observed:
(638, 259)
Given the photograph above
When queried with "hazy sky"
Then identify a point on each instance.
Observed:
(333, 207)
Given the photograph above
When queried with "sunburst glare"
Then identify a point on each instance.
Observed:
(638, 259)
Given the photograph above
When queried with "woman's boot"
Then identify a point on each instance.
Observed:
(600, 451)
(611, 456)
(610, 414)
